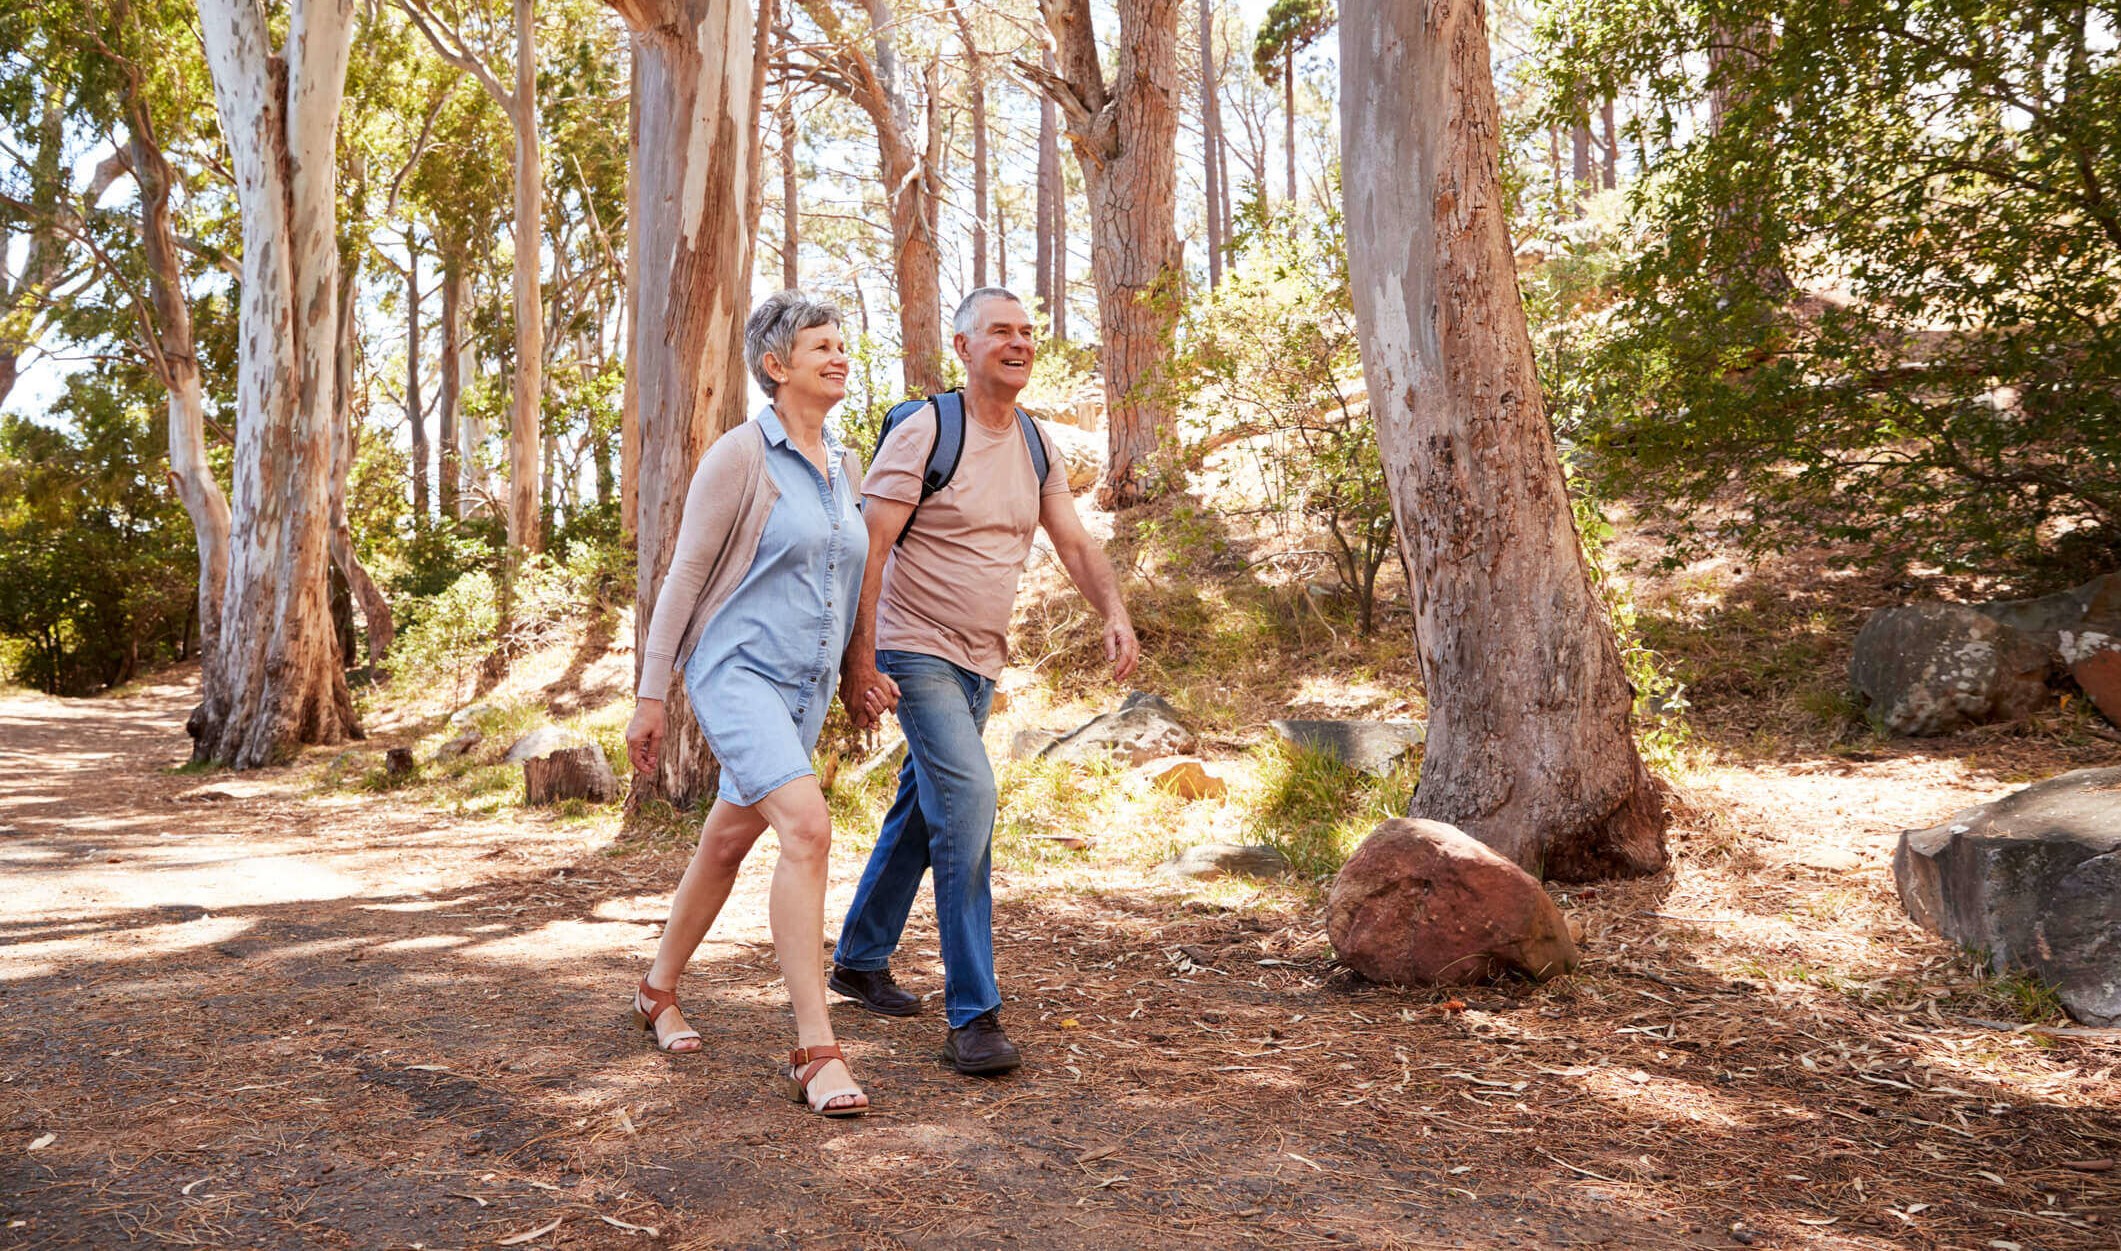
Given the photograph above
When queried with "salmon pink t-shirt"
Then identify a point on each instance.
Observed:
(950, 586)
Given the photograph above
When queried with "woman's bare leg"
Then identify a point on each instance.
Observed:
(798, 815)
(725, 839)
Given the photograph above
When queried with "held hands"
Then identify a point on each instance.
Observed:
(866, 693)
(644, 735)
(1121, 647)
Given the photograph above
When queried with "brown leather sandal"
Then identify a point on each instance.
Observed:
(650, 1003)
(804, 1064)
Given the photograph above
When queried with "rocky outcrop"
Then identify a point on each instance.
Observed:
(1422, 903)
(1934, 668)
(1141, 729)
(2071, 624)
(1082, 451)
(1374, 747)
(2032, 879)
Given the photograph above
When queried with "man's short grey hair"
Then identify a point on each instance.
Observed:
(966, 319)
(773, 325)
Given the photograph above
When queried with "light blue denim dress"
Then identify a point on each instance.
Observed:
(768, 663)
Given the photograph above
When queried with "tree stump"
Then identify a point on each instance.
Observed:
(569, 773)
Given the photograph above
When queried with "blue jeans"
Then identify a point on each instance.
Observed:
(943, 818)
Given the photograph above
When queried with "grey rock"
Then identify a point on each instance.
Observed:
(2032, 879)
(1935, 668)
(1209, 861)
(459, 745)
(470, 713)
(542, 742)
(1371, 746)
(2071, 624)
(1025, 744)
(1141, 729)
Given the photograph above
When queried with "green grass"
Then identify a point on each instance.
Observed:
(1316, 810)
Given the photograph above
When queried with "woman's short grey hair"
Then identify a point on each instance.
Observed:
(772, 327)
(967, 319)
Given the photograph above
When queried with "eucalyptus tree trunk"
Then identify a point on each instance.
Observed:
(1211, 142)
(976, 99)
(791, 208)
(449, 481)
(280, 681)
(1610, 148)
(524, 532)
(692, 181)
(872, 81)
(415, 408)
(1288, 116)
(1125, 133)
(375, 609)
(1045, 238)
(1528, 747)
(175, 359)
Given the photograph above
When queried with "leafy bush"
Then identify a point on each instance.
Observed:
(1273, 352)
(451, 632)
(1875, 293)
(98, 571)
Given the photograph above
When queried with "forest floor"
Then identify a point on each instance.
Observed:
(304, 1007)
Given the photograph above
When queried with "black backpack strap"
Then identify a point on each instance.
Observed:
(1036, 443)
(945, 450)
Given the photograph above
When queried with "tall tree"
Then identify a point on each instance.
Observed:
(520, 105)
(697, 102)
(1124, 131)
(172, 354)
(1290, 27)
(873, 80)
(1529, 747)
(791, 207)
(976, 100)
(1049, 246)
(1609, 146)
(1211, 143)
(281, 684)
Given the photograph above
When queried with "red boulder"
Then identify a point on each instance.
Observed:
(1423, 903)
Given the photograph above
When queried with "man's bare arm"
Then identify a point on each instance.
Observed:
(1091, 571)
(867, 693)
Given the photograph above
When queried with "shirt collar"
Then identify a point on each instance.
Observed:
(776, 433)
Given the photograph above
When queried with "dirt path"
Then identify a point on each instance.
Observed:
(281, 1018)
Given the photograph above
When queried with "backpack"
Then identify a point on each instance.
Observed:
(949, 445)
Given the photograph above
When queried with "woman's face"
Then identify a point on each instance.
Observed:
(816, 368)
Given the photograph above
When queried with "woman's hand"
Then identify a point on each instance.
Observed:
(867, 693)
(644, 735)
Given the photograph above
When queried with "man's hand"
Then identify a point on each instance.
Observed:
(1121, 647)
(644, 735)
(867, 693)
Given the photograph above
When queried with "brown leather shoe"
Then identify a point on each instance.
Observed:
(979, 1047)
(874, 990)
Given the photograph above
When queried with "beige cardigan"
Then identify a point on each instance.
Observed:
(726, 508)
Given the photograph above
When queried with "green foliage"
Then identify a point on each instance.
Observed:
(450, 632)
(1289, 27)
(1875, 293)
(1659, 713)
(1273, 352)
(97, 566)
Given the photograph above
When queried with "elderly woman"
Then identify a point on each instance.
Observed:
(756, 610)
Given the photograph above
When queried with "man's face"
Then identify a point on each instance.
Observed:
(1001, 346)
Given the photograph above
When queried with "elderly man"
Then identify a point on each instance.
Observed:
(948, 537)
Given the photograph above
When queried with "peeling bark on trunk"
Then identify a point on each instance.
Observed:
(281, 683)
(692, 176)
(1529, 747)
(630, 396)
(1124, 134)
(171, 350)
(1288, 116)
